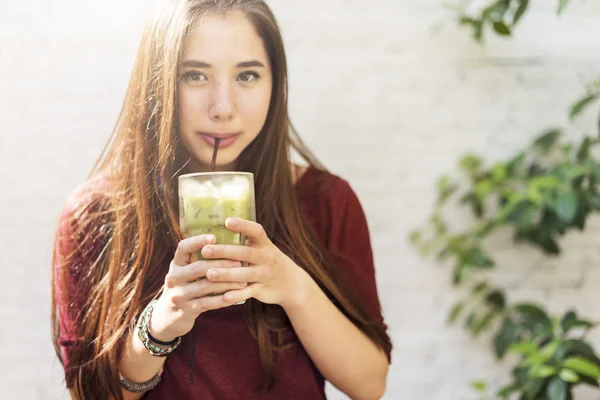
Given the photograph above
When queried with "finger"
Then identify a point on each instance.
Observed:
(243, 274)
(236, 296)
(252, 229)
(232, 252)
(196, 270)
(209, 303)
(189, 245)
(204, 287)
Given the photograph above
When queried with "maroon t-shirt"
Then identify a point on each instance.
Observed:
(226, 358)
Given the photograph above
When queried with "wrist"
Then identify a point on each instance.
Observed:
(143, 326)
(157, 328)
(302, 285)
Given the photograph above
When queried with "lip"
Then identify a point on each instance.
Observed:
(227, 139)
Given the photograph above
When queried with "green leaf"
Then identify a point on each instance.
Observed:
(562, 4)
(499, 172)
(582, 104)
(455, 312)
(476, 204)
(542, 371)
(506, 391)
(460, 272)
(523, 4)
(516, 163)
(534, 359)
(549, 245)
(547, 140)
(446, 188)
(521, 375)
(496, 299)
(589, 381)
(470, 163)
(557, 389)
(523, 214)
(479, 386)
(534, 387)
(584, 150)
(480, 287)
(583, 366)
(573, 347)
(594, 202)
(581, 323)
(471, 322)
(567, 321)
(549, 349)
(478, 258)
(415, 237)
(496, 12)
(505, 337)
(568, 376)
(524, 348)
(465, 20)
(484, 322)
(483, 188)
(501, 28)
(531, 311)
(565, 206)
(478, 31)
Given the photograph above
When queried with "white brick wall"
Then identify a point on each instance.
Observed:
(383, 101)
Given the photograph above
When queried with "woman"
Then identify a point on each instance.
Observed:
(209, 70)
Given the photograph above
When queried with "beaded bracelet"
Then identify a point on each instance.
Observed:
(142, 330)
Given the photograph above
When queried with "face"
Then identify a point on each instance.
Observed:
(224, 89)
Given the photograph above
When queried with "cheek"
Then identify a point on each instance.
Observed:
(186, 109)
(256, 108)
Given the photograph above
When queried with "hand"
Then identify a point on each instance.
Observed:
(272, 277)
(186, 293)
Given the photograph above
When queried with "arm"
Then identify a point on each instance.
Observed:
(332, 341)
(138, 365)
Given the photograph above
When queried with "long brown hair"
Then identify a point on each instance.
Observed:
(132, 222)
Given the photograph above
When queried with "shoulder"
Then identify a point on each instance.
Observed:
(327, 186)
(84, 209)
(88, 194)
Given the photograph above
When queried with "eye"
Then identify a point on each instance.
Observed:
(194, 76)
(248, 76)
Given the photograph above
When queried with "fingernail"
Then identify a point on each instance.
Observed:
(243, 285)
(211, 239)
(211, 274)
(208, 251)
(232, 222)
(236, 264)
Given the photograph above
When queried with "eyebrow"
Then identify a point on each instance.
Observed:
(202, 64)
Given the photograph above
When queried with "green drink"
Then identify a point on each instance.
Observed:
(207, 199)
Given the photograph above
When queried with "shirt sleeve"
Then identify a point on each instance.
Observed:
(65, 287)
(349, 243)
(74, 252)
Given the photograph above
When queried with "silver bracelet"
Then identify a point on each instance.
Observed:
(140, 387)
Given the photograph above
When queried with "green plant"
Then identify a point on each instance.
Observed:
(501, 15)
(554, 355)
(545, 190)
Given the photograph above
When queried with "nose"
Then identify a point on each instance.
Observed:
(223, 104)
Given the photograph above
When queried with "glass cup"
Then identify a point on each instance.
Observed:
(207, 199)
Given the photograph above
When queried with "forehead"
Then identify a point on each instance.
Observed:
(224, 37)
